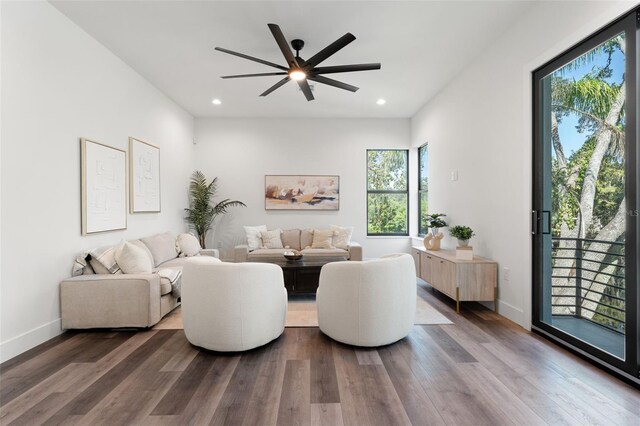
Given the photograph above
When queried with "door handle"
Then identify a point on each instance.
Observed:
(548, 222)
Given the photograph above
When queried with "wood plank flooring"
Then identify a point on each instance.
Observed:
(481, 370)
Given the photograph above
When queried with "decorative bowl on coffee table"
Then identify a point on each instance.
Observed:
(292, 256)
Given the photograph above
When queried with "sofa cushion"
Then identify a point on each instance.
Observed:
(103, 261)
(322, 239)
(341, 236)
(165, 286)
(267, 254)
(187, 245)
(306, 238)
(132, 259)
(333, 253)
(174, 277)
(144, 247)
(162, 247)
(254, 237)
(291, 238)
(271, 239)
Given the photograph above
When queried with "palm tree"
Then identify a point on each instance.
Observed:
(202, 211)
(599, 104)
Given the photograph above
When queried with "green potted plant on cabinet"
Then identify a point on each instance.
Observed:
(435, 222)
(462, 233)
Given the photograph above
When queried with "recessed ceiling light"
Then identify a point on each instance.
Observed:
(216, 101)
(381, 101)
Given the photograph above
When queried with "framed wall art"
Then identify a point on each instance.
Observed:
(144, 177)
(104, 189)
(302, 192)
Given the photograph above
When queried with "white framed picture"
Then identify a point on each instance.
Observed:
(104, 188)
(144, 177)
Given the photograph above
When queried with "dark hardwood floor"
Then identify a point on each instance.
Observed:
(482, 370)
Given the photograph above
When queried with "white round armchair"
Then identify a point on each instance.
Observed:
(232, 307)
(367, 303)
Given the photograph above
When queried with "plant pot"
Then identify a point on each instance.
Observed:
(463, 243)
(434, 231)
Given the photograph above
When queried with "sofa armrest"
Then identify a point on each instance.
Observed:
(110, 301)
(210, 252)
(355, 251)
(240, 253)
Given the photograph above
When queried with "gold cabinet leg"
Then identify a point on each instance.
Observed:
(457, 300)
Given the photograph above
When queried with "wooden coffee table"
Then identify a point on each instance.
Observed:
(301, 276)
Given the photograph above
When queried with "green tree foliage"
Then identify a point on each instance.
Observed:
(387, 170)
(595, 99)
(387, 211)
(609, 195)
(423, 158)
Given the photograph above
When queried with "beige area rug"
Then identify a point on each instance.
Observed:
(302, 312)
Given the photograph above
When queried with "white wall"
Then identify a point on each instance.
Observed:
(240, 152)
(480, 125)
(59, 84)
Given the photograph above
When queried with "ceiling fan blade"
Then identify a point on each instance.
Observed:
(275, 86)
(331, 49)
(283, 45)
(346, 68)
(304, 86)
(332, 82)
(251, 58)
(264, 74)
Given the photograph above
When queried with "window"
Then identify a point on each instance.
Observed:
(423, 188)
(387, 192)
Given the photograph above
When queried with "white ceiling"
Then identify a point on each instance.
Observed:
(421, 45)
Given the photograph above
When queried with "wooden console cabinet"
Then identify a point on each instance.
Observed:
(462, 280)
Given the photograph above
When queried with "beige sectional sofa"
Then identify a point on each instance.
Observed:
(301, 240)
(112, 300)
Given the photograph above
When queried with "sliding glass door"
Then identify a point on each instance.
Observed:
(585, 216)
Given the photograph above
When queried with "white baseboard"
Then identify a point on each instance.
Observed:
(514, 314)
(27, 340)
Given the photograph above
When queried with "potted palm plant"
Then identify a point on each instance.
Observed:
(462, 233)
(202, 210)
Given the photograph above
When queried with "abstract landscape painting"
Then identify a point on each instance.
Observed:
(291, 192)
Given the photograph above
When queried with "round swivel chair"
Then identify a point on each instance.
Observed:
(367, 303)
(231, 307)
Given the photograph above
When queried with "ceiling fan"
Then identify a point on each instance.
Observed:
(301, 70)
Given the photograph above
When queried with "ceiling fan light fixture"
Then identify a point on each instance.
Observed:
(297, 75)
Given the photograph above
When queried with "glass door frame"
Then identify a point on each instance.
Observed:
(629, 367)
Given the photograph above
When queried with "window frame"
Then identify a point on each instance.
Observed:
(420, 189)
(376, 191)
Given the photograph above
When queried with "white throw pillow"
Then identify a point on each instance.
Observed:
(132, 259)
(187, 245)
(322, 239)
(254, 236)
(271, 239)
(342, 236)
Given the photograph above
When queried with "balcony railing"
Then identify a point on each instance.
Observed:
(588, 281)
